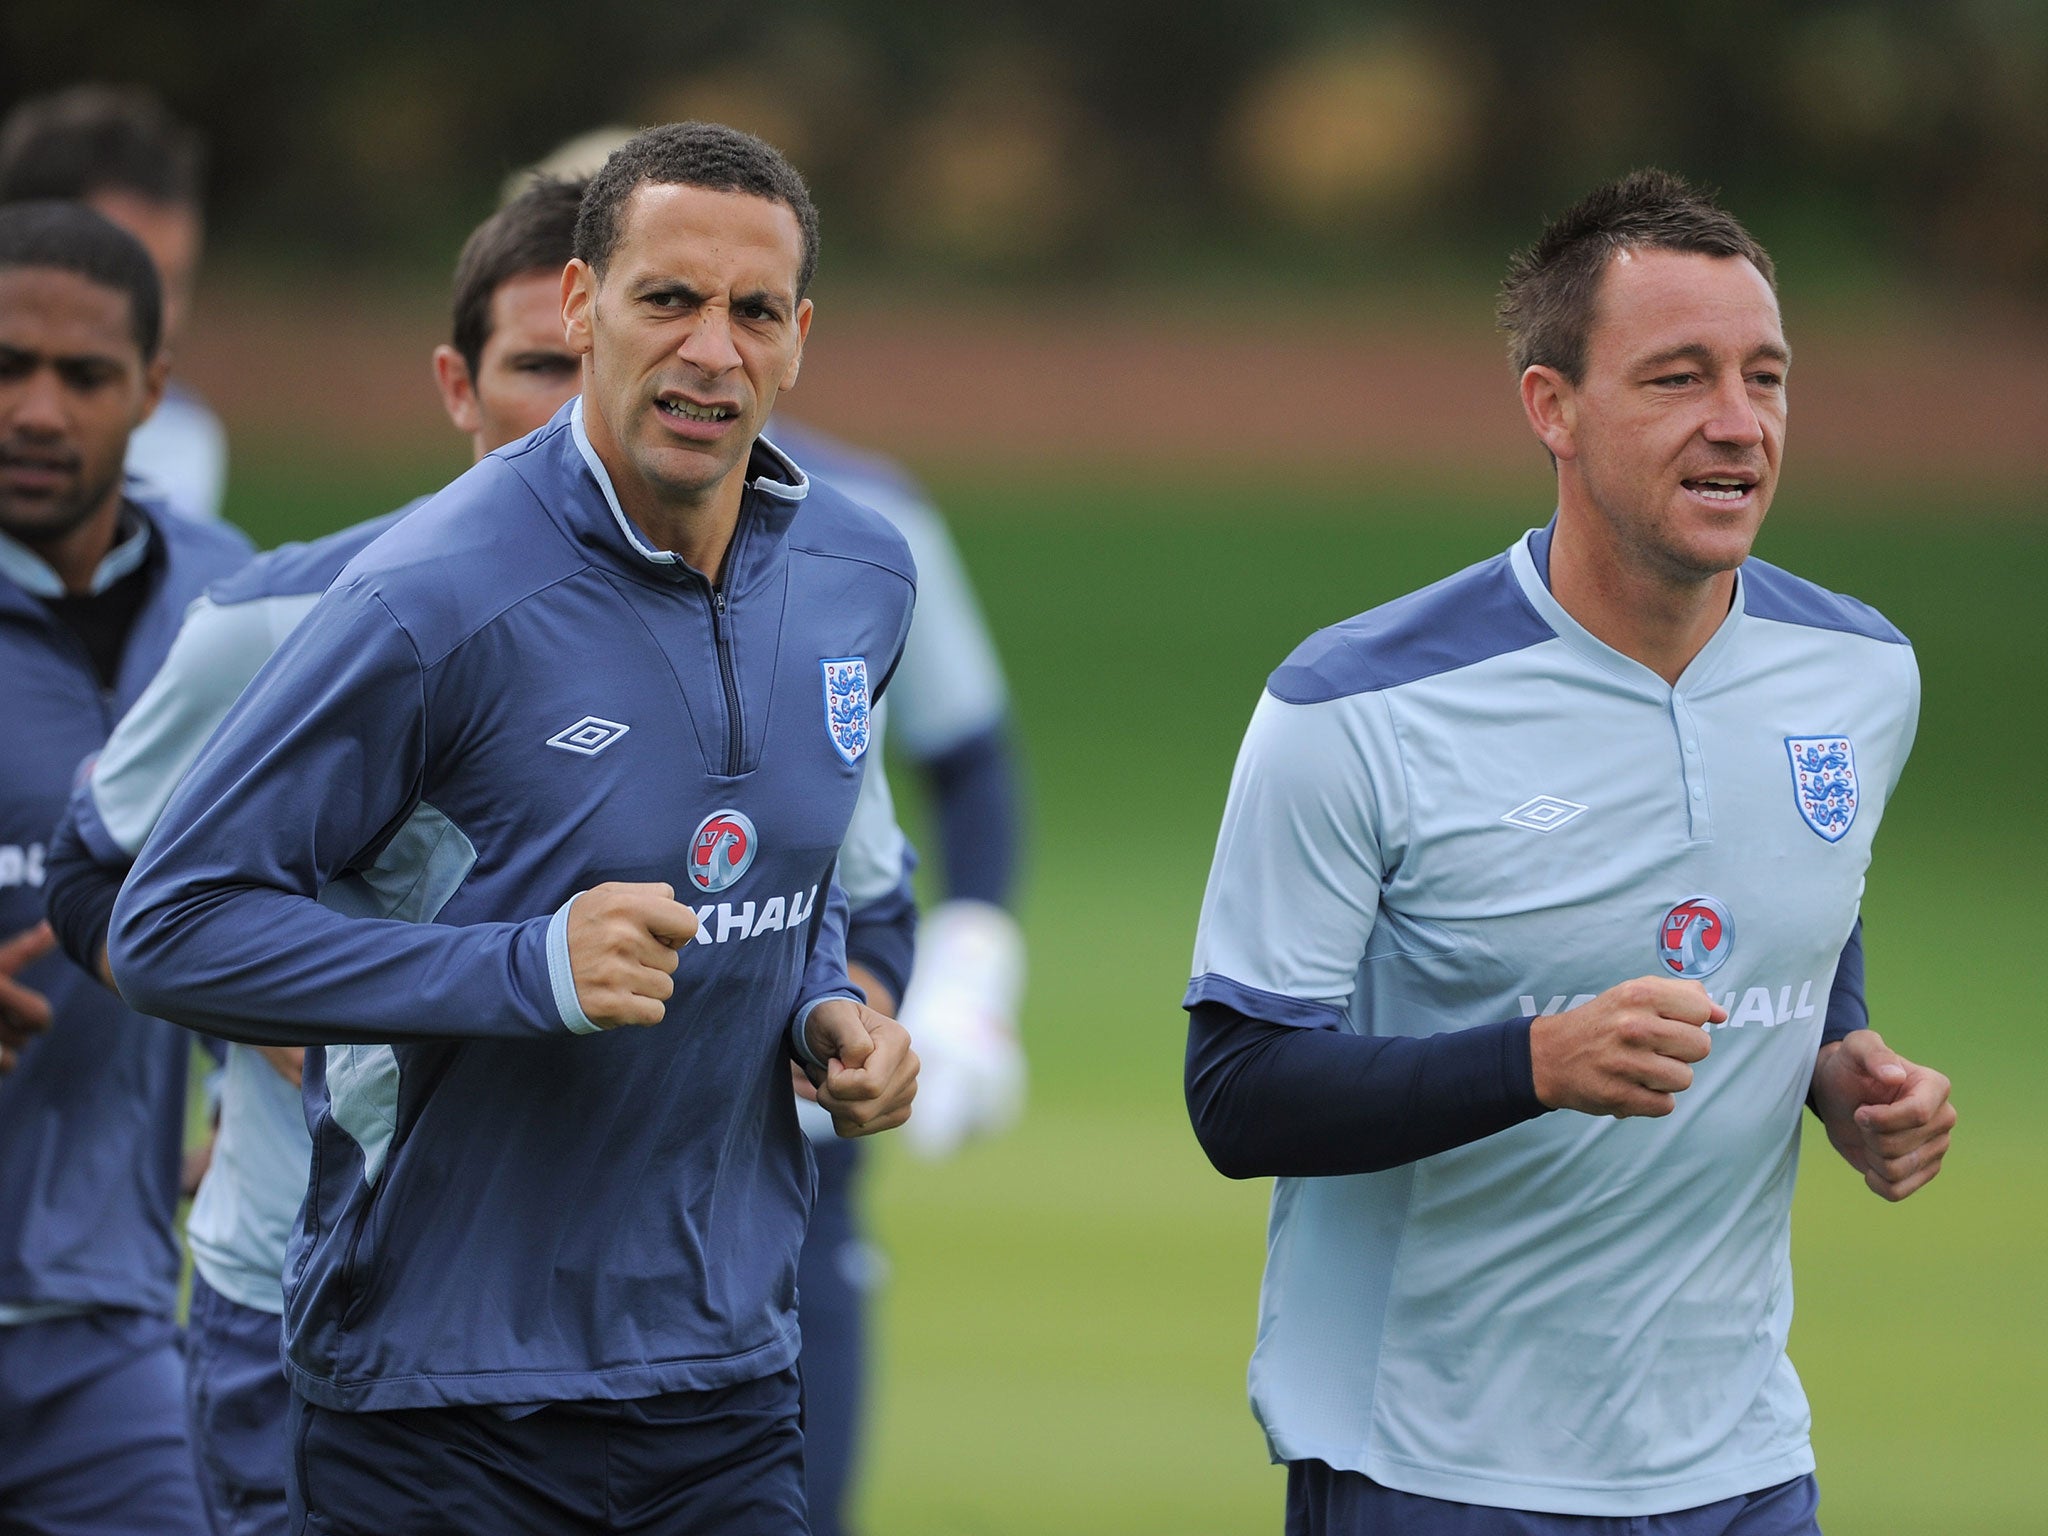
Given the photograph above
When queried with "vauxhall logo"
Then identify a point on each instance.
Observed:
(21, 865)
(725, 922)
(1757, 1005)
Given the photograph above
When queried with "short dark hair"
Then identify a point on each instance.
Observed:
(534, 232)
(70, 237)
(99, 138)
(1547, 302)
(707, 155)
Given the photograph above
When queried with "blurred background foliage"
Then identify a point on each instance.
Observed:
(1004, 141)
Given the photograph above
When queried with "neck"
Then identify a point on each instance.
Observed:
(1659, 617)
(75, 554)
(698, 526)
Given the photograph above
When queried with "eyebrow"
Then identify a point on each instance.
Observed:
(17, 354)
(1698, 352)
(647, 288)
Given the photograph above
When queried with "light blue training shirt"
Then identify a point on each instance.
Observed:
(1462, 807)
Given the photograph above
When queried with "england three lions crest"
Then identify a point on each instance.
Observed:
(846, 705)
(1824, 782)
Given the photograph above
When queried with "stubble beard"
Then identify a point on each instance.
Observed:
(59, 519)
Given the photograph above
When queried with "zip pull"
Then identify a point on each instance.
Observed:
(718, 600)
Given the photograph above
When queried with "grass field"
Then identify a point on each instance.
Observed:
(1065, 1330)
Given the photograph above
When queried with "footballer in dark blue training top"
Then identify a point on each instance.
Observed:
(607, 701)
(92, 1095)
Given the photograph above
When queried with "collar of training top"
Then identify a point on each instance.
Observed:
(29, 571)
(1529, 557)
(776, 489)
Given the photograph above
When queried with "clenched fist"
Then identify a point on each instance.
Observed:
(1890, 1118)
(1627, 1052)
(623, 944)
(870, 1069)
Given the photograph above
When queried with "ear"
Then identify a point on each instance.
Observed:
(1551, 403)
(579, 304)
(155, 375)
(458, 390)
(803, 332)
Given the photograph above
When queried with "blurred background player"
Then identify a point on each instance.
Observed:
(948, 713)
(119, 149)
(92, 1104)
(506, 370)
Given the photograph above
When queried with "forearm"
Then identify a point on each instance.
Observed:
(825, 975)
(270, 967)
(980, 813)
(881, 936)
(1278, 1100)
(79, 891)
(1847, 1013)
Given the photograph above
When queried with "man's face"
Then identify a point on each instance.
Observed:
(172, 235)
(1678, 427)
(525, 372)
(693, 330)
(72, 387)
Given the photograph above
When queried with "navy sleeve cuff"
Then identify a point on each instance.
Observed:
(1847, 1009)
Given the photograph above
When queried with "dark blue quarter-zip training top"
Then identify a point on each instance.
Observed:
(504, 701)
(93, 1117)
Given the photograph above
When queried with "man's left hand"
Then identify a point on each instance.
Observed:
(24, 1012)
(1889, 1118)
(870, 1071)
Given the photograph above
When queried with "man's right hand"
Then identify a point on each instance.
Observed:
(24, 1012)
(623, 944)
(1627, 1052)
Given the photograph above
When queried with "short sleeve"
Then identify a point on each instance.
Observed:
(1295, 887)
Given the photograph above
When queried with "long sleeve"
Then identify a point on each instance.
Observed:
(824, 974)
(217, 652)
(1847, 1010)
(1281, 1100)
(881, 934)
(979, 811)
(222, 926)
(78, 895)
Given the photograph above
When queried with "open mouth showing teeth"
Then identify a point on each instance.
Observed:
(688, 411)
(1720, 488)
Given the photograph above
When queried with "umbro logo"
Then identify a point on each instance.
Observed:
(1546, 813)
(588, 736)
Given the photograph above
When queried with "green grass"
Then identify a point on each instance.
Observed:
(1064, 1336)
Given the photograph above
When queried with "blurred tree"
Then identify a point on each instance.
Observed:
(1080, 135)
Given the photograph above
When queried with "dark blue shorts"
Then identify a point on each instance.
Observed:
(728, 1461)
(1322, 1502)
(834, 1275)
(236, 1398)
(92, 1429)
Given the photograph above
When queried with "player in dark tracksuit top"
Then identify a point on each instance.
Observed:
(506, 372)
(92, 1094)
(543, 1279)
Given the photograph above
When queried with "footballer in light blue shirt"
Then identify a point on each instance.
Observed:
(1533, 926)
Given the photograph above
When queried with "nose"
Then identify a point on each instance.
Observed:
(1733, 418)
(36, 407)
(709, 346)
